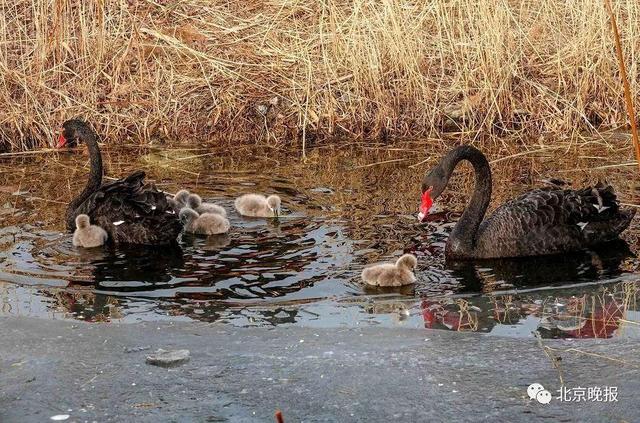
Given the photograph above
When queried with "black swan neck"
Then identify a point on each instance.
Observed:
(464, 235)
(94, 182)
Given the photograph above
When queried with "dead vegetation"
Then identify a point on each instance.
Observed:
(295, 71)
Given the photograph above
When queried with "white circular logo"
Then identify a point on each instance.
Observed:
(544, 397)
(533, 390)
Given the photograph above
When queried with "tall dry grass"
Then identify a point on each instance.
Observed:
(293, 70)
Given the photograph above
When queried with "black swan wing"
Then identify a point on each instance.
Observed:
(132, 212)
(120, 189)
(552, 220)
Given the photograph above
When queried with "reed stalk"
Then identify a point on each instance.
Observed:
(625, 81)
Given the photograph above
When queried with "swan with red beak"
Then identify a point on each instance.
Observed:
(549, 220)
(127, 209)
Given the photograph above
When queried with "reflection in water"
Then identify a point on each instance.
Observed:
(585, 315)
(118, 270)
(594, 315)
(341, 214)
(604, 262)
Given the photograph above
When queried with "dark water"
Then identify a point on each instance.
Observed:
(343, 209)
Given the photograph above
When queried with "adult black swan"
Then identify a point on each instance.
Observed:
(542, 221)
(130, 211)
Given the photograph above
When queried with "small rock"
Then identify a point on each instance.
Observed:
(165, 358)
(262, 109)
(60, 417)
(403, 314)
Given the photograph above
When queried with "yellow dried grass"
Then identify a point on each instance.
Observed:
(279, 71)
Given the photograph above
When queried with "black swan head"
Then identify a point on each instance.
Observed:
(436, 181)
(73, 130)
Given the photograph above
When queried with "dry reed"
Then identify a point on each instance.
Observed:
(296, 71)
(625, 81)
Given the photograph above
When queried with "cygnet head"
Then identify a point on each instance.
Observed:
(181, 196)
(82, 221)
(273, 201)
(187, 215)
(407, 260)
(194, 201)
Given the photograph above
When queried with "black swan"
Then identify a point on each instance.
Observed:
(130, 211)
(548, 220)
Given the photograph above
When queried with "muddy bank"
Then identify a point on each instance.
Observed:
(374, 374)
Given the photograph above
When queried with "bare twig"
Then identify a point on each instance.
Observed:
(555, 360)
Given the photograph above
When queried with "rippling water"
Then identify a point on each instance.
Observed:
(343, 209)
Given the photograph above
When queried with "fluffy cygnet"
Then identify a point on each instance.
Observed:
(257, 205)
(194, 201)
(87, 235)
(387, 274)
(181, 197)
(203, 224)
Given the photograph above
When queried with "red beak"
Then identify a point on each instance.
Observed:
(62, 141)
(425, 204)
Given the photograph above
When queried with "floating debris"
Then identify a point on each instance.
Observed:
(136, 349)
